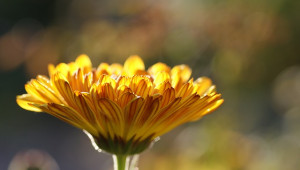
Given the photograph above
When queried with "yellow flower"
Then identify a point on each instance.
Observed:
(124, 108)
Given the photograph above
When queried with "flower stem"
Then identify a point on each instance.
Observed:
(121, 162)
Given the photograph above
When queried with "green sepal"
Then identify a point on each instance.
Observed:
(119, 146)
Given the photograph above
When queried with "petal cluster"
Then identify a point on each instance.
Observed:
(124, 107)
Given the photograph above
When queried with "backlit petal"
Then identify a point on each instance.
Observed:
(202, 84)
(180, 74)
(157, 68)
(24, 99)
(133, 64)
(83, 61)
(125, 98)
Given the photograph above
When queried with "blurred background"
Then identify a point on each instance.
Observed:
(249, 48)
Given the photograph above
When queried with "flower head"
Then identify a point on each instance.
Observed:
(124, 108)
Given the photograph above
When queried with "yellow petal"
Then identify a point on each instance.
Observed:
(162, 87)
(158, 67)
(30, 89)
(180, 74)
(132, 109)
(125, 98)
(63, 68)
(133, 64)
(122, 80)
(190, 100)
(63, 88)
(115, 115)
(45, 80)
(111, 108)
(106, 91)
(104, 79)
(206, 109)
(102, 69)
(157, 118)
(141, 72)
(90, 102)
(141, 120)
(212, 106)
(51, 69)
(202, 84)
(83, 61)
(73, 67)
(116, 69)
(68, 115)
(185, 90)
(161, 77)
(47, 92)
(88, 80)
(211, 91)
(149, 108)
(24, 99)
(141, 87)
(168, 96)
(123, 89)
(83, 108)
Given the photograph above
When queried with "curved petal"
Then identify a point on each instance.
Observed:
(141, 86)
(158, 67)
(185, 90)
(133, 64)
(162, 87)
(207, 109)
(30, 89)
(116, 69)
(83, 61)
(51, 69)
(68, 115)
(63, 88)
(103, 69)
(106, 91)
(62, 68)
(123, 80)
(168, 96)
(161, 77)
(141, 121)
(125, 98)
(180, 74)
(131, 109)
(104, 79)
(202, 84)
(115, 116)
(123, 89)
(24, 100)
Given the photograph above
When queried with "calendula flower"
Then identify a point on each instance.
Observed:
(123, 108)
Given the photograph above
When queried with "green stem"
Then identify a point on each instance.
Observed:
(121, 162)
